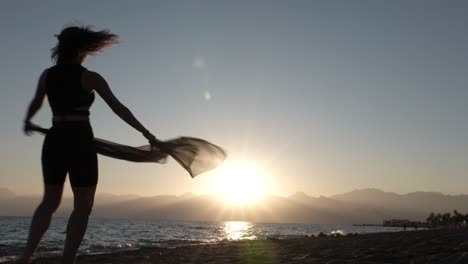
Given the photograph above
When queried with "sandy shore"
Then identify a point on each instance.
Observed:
(427, 246)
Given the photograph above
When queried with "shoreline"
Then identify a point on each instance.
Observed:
(424, 246)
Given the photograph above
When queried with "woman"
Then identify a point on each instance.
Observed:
(68, 147)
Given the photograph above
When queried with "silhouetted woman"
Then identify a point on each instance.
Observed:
(68, 147)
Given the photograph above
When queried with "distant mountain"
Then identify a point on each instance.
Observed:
(6, 194)
(414, 205)
(359, 206)
(321, 201)
(104, 198)
(367, 196)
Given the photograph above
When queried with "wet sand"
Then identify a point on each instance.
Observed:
(426, 246)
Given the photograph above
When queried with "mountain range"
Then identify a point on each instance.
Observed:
(365, 206)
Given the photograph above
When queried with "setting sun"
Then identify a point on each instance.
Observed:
(239, 182)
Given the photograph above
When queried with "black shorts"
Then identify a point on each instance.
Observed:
(69, 148)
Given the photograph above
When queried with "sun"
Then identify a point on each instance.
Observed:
(239, 182)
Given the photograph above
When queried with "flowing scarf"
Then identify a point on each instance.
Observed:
(193, 154)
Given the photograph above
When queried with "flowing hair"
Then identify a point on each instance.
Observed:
(78, 41)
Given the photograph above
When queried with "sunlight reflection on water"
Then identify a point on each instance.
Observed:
(236, 230)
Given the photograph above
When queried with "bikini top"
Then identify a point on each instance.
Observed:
(65, 92)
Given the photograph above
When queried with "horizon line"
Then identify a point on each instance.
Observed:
(265, 195)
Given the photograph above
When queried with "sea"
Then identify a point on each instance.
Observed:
(113, 235)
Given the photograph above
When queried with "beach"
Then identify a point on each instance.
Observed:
(425, 246)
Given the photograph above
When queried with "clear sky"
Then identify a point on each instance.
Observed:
(323, 96)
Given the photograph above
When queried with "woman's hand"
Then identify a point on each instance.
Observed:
(153, 140)
(27, 128)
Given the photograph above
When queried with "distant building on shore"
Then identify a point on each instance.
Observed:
(397, 222)
(403, 223)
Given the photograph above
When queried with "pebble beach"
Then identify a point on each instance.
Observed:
(425, 246)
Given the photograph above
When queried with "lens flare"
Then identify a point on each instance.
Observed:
(207, 96)
(199, 63)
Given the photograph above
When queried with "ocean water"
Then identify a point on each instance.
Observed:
(111, 235)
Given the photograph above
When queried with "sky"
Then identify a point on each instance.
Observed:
(321, 96)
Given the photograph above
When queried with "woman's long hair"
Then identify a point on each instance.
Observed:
(75, 42)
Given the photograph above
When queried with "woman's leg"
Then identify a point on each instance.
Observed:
(41, 219)
(83, 204)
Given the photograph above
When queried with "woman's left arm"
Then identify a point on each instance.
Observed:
(36, 103)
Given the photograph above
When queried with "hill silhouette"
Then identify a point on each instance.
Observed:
(370, 206)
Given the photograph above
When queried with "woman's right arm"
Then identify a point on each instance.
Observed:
(36, 103)
(95, 81)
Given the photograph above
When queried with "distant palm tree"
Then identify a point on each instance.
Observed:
(438, 219)
(431, 220)
(457, 219)
(443, 220)
(446, 219)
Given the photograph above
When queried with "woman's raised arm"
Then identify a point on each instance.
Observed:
(95, 81)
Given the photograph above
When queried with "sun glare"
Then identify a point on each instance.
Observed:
(239, 182)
